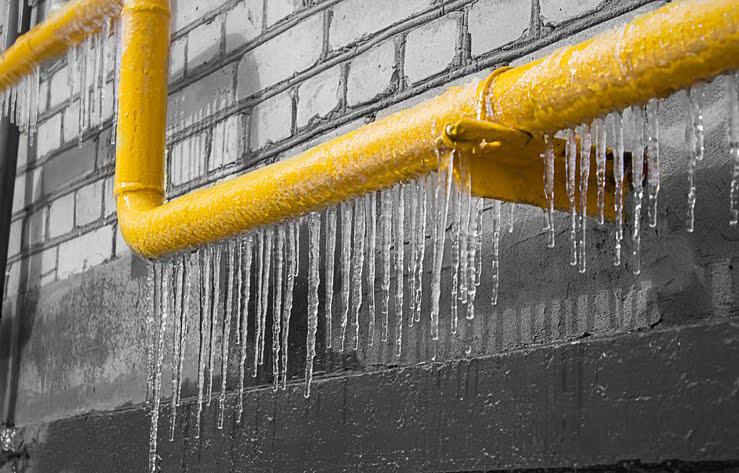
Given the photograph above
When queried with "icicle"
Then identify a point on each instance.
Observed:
(277, 307)
(314, 235)
(164, 301)
(386, 227)
(599, 136)
(474, 233)
(216, 288)
(268, 243)
(34, 105)
(238, 284)
(178, 284)
(330, 262)
(571, 162)
(549, 186)
(456, 235)
(288, 307)
(637, 180)
(260, 299)
(247, 249)
(185, 312)
(732, 84)
(478, 236)
(116, 74)
(618, 178)
(585, 142)
(421, 250)
(94, 106)
(511, 214)
(153, 284)
(399, 215)
(652, 130)
(84, 89)
(444, 182)
(346, 263)
(206, 284)
(228, 314)
(412, 192)
(464, 235)
(495, 261)
(371, 212)
(358, 263)
(103, 72)
(694, 141)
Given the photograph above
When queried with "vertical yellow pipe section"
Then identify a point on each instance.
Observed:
(142, 101)
(652, 56)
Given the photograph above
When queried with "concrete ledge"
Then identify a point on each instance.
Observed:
(650, 397)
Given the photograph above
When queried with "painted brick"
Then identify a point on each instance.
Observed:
(41, 268)
(43, 96)
(59, 89)
(89, 203)
(319, 96)
(495, 23)
(36, 226)
(204, 43)
(61, 216)
(371, 73)
(559, 11)
(22, 151)
(177, 58)
(206, 92)
(71, 121)
(69, 166)
(279, 9)
(15, 238)
(121, 247)
(227, 143)
(243, 23)
(354, 19)
(12, 281)
(105, 150)
(28, 188)
(431, 48)
(108, 101)
(49, 136)
(85, 251)
(187, 11)
(109, 205)
(187, 159)
(281, 57)
(271, 121)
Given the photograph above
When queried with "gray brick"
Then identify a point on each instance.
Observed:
(15, 238)
(177, 58)
(12, 285)
(319, 96)
(89, 203)
(61, 216)
(121, 247)
(69, 166)
(28, 189)
(495, 23)
(59, 89)
(227, 142)
(431, 48)
(41, 268)
(36, 226)
(71, 121)
(109, 201)
(370, 74)
(279, 9)
(559, 11)
(22, 151)
(43, 96)
(281, 57)
(271, 121)
(85, 251)
(243, 23)
(354, 19)
(49, 136)
(206, 92)
(105, 150)
(204, 43)
(187, 11)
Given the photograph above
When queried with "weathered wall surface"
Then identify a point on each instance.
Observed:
(254, 81)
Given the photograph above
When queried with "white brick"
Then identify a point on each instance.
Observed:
(22, 151)
(61, 216)
(109, 204)
(43, 94)
(279, 9)
(187, 160)
(108, 101)
(243, 23)
(431, 48)
(89, 203)
(370, 74)
(15, 238)
(187, 11)
(59, 89)
(12, 282)
(85, 251)
(177, 58)
(49, 135)
(36, 227)
(495, 23)
(207, 92)
(319, 96)
(20, 200)
(204, 42)
(121, 247)
(71, 121)
(354, 19)
(227, 143)
(559, 11)
(41, 268)
(271, 121)
(281, 57)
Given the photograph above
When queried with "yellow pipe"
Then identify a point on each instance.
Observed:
(65, 29)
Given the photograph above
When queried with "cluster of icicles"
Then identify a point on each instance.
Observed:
(88, 69)
(386, 239)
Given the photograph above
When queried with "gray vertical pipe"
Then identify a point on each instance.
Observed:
(9, 138)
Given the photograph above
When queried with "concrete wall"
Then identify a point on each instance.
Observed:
(254, 81)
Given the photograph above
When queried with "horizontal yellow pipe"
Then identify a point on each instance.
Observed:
(66, 28)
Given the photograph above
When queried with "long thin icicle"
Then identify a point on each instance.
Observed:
(330, 260)
(287, 309)
(399, 263)
(585, 141)
(206, 284)
(464, 235)
(164, 312)
(653, 179)
(214, 310)
(358, 264)
(386, 227)
(371, 213)
(346, 262)
(421, 250)
(412, 195)
(314, 254)
(571, 161)
(618, 179)
(185, 307)
(694, 142)
(495, 261)
(261, 296)
(152, 283)
(475, 233)
(226, 333)
(599, 137)
(549, 187)
(443, 188)
(178, 285)
(268, 243)
(247, 250)
(456, 234)
(732, 85)
(637, 179)
(277, 306)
